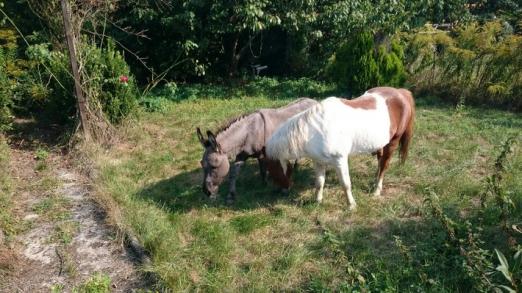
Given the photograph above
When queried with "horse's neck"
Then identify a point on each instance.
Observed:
(232, 139)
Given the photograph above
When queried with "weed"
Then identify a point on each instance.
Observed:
(64, 232)
(98, 283)
(57, 288)
(41, 154)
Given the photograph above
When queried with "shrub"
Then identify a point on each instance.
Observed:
(358, 65)
(478, 63)
(107, 82)
(8, 71)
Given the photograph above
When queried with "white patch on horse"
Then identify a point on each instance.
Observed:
(331, 130)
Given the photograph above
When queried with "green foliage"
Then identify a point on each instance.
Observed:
(358, 65)
(272, 88)
(8, 73)
(103, 71)
(478, 63)
(192, 39)
(106, 71)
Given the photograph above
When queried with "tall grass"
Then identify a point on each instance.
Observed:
(267, 242)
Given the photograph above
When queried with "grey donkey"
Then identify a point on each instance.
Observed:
(242, 138)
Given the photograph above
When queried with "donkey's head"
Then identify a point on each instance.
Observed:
(214, 162)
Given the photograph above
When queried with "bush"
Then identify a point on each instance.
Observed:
(8, 70)
(476, 63)
(357, 65)
(106, 82)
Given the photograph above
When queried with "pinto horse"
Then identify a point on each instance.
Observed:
(378, 122)
(242, 138)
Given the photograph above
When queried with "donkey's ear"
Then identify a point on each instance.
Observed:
(212, 140)
(200, 136)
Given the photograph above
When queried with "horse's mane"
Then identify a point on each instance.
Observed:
(286, 143)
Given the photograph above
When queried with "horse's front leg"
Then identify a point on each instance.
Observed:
(344, 176)
(232, 176)
(320, 173)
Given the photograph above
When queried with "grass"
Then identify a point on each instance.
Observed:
(8, 224)
(267, 242)
(97, 283)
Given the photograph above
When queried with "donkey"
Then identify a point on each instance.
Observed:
(242, 138)
(377, 122)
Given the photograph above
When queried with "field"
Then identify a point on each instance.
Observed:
(269, 242)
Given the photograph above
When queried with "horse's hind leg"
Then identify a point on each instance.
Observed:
(344, 176)
(320, 171)
(384, 163)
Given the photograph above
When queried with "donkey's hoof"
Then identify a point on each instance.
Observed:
(230, 201)
(231, 198)
(352, 207)
(285, 192)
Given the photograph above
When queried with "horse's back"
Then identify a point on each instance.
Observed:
(355, 126)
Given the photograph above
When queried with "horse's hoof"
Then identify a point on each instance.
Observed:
(377, 194)
(352, 207)
(285, 192)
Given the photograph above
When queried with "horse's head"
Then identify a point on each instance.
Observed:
(214, 162)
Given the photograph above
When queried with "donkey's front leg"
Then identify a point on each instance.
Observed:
(232, 176)
(262, 169)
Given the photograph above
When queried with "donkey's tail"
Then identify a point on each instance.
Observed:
(405, 139)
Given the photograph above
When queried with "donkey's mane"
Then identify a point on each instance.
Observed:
(231, 121)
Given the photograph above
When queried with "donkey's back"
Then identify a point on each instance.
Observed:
(275, 117)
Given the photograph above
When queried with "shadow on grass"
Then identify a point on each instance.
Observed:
(183, 192)
(30, 134)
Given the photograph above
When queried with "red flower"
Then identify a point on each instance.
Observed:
(124, 79)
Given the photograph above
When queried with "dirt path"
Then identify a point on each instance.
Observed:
(65, 241)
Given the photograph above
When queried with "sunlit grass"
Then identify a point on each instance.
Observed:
(268, 242)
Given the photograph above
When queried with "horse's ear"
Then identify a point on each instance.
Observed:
(212, 140)
(200, 136)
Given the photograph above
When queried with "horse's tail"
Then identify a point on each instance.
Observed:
(405, 139)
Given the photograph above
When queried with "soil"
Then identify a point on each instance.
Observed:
(41, 260)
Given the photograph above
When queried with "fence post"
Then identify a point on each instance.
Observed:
(82, 102)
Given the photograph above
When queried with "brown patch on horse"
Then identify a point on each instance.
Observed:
(401, 109)
(278, 176)
(361, 103)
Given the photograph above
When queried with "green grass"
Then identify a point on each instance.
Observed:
(267, 242)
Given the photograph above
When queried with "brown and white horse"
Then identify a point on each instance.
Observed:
(378, 122)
